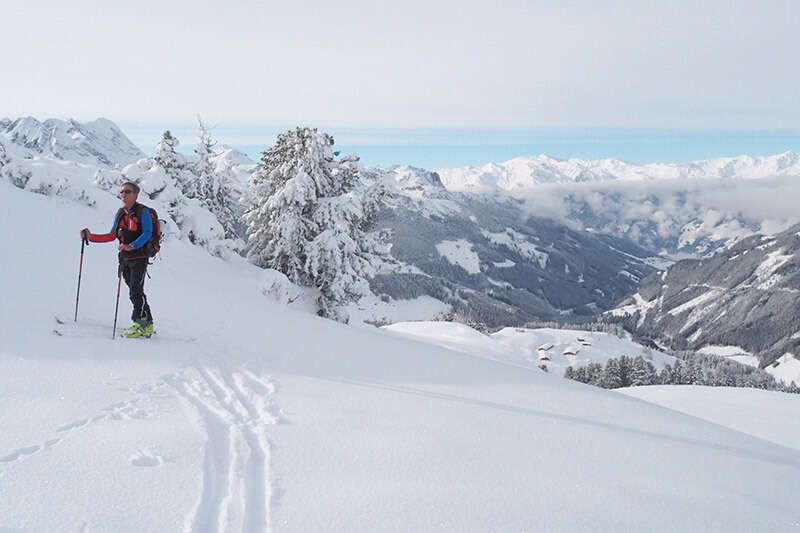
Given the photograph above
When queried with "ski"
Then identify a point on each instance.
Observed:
(60, 323)
(81, 329)
(78, 330)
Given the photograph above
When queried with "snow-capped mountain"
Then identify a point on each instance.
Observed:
(99, 142)
(525, 172)
(691, 209)
(486, 257)
(744, 298)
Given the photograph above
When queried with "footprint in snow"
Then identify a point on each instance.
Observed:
(147, 458)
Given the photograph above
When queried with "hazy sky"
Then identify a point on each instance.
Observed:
(660, 64)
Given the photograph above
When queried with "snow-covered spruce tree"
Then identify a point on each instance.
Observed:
(643, 372)
(211, 187)
(173, 163)
(612, 375)
(309, 216)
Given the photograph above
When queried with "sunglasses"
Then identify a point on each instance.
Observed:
(126, 191)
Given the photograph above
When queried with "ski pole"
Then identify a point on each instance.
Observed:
(84, 242)
(116, 308)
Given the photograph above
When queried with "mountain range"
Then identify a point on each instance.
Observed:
(523, 173)
(676, 210)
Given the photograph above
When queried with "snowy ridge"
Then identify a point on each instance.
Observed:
(99, 143)
(423, 190)
(526, 172)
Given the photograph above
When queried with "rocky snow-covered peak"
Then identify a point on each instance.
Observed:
(98, 143)
(410, 178)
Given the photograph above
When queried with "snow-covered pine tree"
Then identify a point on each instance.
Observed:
(213, 188)
(612, 376)
(595, 374)
(308, 216)
(199, 184)
(173, 163)
(642, 372)
(580, 375)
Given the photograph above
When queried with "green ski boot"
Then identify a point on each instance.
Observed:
(140, 329)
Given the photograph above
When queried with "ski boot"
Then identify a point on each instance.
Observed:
(139, 329)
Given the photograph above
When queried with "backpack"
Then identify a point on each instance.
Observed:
(153, 246)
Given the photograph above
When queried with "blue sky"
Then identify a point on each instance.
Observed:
(439, 148)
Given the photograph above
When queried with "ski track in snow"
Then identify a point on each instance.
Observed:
(234, 409)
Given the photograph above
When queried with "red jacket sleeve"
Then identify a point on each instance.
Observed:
(106, 237)
(102, 237)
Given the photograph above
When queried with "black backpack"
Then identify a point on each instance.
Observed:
(153, 246)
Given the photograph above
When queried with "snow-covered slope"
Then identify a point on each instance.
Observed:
(526, 172)
(99, 143)
(244, 415)
(741, 409)
(555, 348)
(786, 368)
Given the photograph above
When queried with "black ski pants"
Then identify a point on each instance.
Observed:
(134, 272)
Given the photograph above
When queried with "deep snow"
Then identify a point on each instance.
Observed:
(242, 414)
(768, 415)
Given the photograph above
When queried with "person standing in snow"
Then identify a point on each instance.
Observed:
(133, 227)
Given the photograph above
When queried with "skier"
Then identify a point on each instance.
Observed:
(133, 228)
